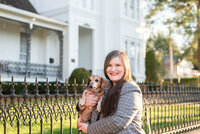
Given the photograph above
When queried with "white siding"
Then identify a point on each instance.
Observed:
(9, 41)
(38, 47)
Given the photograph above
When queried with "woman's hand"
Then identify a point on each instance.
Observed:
(83, 127)
(91, 99)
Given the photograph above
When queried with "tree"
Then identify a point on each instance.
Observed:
(155, 49)
(151, 65)
(160, 43)
(190, 54)
(185, 19)
(157, 46)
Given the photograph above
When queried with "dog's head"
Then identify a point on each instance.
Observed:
(96, 83)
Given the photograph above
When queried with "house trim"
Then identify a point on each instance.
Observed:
(30, 18)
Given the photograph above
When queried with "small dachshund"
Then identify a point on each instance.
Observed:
(96, 84)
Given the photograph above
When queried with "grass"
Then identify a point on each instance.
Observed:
(36, 128)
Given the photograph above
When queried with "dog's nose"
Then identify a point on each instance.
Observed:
(90, 86)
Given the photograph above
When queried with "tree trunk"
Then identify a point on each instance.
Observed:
(171, 61)
(198, 53)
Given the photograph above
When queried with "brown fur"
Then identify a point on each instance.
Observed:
(96, 84)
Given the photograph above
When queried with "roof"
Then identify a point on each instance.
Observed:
(19, 15)
(166, 59)
(21, 4)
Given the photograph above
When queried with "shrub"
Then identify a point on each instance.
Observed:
(19, 88)
(79, 74)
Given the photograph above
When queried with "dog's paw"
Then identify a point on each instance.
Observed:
(99, 109)
(99, 104)
(82, 102)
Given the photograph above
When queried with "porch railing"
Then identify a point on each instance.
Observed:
(10, 68)
(167, 108)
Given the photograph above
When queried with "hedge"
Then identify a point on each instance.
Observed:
(193, 81)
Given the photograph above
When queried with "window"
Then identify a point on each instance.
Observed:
(86, 4)
(126, 8)
(139, 58)
(132, 57)
(138, 9)
(130, 51)
(89, 4)
(23, 46)
(132, 54)
(131, 8)
(126, 46)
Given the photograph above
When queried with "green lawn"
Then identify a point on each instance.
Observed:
(24, 129)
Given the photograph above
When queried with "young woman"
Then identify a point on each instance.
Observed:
(121, 110)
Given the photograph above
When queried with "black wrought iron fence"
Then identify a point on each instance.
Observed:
(25, 109)
(167, 108)
(171, 108)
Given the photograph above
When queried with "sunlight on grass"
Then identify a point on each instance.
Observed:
(36, 129)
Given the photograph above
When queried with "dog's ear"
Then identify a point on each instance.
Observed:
(88, 82)
(104, 83)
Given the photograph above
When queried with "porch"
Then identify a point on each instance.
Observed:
(31, 44)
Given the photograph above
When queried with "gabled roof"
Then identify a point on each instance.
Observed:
(21, 4)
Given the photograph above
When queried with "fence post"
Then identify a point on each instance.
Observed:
(4, 126)
(147, 119)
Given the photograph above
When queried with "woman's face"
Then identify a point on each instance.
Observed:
(115, 70)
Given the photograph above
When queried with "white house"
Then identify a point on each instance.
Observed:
(62, 35)
(182, 68)
(186, 69)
